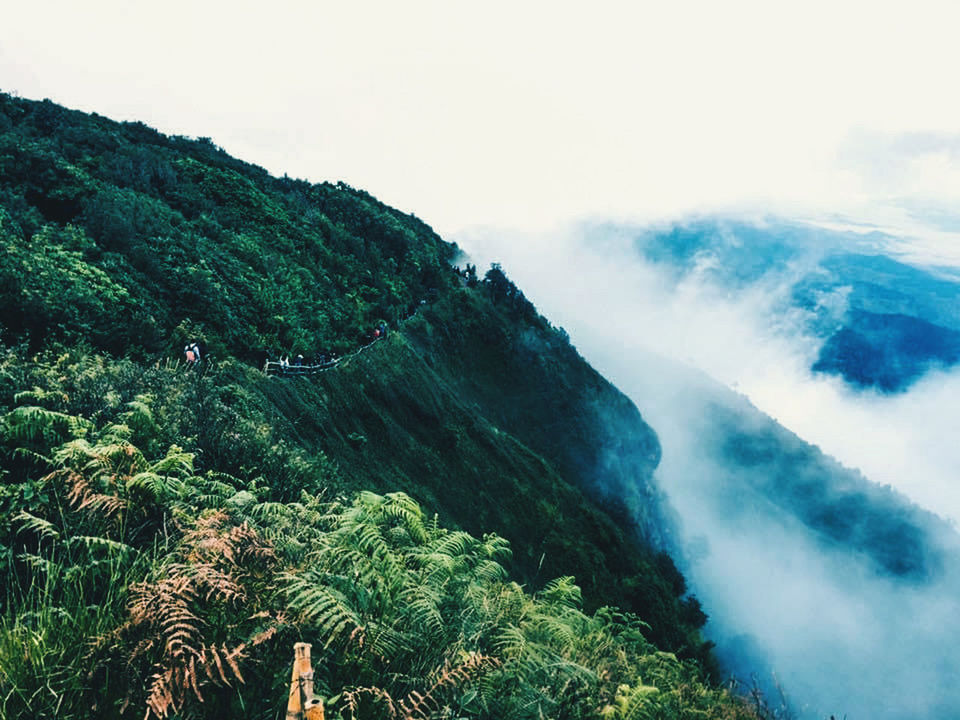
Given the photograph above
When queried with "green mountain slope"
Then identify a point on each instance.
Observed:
(120, 245)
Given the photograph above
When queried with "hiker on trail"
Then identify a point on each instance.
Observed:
(299, 361)
(383, 329)
(195, 347)
(189, 354)
(376, 333)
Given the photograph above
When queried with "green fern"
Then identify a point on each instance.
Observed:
(41, 527)
(326, 609)
(40, 396)
(633, 703)
(35, 424)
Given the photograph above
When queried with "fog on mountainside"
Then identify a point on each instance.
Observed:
(841, 587)
(760, 308)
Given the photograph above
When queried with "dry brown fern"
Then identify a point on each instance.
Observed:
(212, 562)
(352, 698)
(214, 538)
(83, 496)
(419, 706)
(95, 478)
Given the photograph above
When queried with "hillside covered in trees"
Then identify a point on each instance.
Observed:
(461, 518)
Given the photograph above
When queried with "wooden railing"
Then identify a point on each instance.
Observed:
(272, 367)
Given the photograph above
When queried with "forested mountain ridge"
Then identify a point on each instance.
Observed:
(171, 231)
(183, 526)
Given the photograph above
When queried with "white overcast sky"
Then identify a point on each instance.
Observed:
(527, 114)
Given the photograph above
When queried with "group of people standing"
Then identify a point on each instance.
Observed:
(298, 360)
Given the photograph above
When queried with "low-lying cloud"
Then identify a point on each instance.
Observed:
(842, 637)
(615, 306)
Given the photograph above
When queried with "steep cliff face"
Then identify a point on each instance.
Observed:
(530, 381)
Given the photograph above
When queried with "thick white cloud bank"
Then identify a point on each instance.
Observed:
(841, 637)
(616, 306)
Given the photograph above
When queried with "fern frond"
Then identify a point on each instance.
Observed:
(386, 641)
(510, 641)
(497, 548)
(212, 484)
(272, 512)
(562, 591)
(74, 452)
(353, 697)
(633, 703)
(158, 487)
(176, 462)
(109, 506)
(32, 423)
(43, 528)
(423, 605)
(423, 706)
(91, 542)
(223, 660)
(36, 396)
(439, 566)
(405, 510)
(139, 415)
(490, 571)
(455, 542)
(323, 607)
(116, 433)
(160, 699)
(22, 452)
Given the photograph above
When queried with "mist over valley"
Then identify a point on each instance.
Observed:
(801, 383)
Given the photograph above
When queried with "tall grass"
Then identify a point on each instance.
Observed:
(56, 633)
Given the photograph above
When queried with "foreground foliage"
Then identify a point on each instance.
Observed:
(182, 595)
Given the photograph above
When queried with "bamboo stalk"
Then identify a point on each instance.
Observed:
(301, 702)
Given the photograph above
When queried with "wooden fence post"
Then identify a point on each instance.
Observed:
(301, 702)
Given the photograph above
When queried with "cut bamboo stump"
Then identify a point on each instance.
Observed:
(302, 704)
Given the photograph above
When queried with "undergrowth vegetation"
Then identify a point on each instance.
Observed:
(134, 584)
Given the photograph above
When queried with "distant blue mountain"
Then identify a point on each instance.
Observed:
(883, 323)
(737, 253)
(887, 351)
